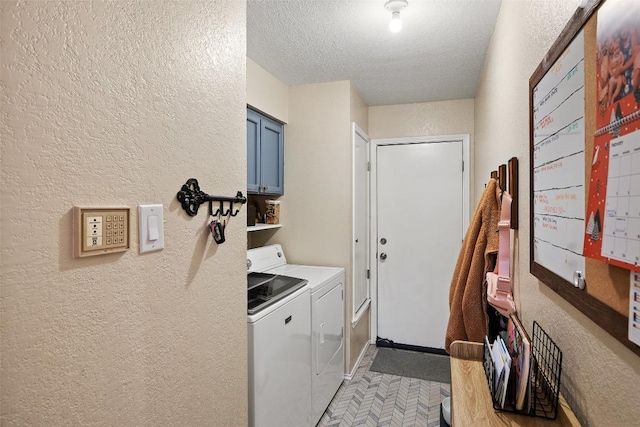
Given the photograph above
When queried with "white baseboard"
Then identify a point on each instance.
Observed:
(350, 375)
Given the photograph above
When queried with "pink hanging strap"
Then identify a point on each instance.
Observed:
(504, 226)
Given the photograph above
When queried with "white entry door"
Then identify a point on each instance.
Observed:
(419, 235)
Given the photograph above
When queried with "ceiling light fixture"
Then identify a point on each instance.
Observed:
(395, 6)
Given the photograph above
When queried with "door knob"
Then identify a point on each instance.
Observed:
(383, 256)
(383, 241)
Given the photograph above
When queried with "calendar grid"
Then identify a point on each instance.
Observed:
(621, 230)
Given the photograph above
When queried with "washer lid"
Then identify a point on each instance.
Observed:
(266, 289)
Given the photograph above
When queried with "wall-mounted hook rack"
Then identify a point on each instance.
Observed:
(191, 197)
(508, 181)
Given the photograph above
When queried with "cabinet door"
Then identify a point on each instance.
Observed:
(271, 157)
(253, 152)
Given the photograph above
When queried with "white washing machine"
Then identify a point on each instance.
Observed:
(279, 351)
(327, 320)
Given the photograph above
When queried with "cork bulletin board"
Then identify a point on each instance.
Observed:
(565, 100)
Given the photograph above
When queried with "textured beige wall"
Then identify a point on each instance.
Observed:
(425, 119)
(600, 377)
(316, 207)
(118, 103)
(359, 109)
(266, 93)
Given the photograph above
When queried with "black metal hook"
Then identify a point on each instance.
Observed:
(191, 197)
(238, 196)
(222, 211)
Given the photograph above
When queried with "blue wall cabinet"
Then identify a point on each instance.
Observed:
(265, 155)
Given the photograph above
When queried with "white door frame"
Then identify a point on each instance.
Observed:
(354, 315)
(373, 202)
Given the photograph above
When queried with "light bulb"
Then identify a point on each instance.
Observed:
(395, 24)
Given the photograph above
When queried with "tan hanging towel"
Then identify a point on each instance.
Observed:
(468, 320)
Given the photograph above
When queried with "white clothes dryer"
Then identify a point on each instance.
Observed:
(327, 320)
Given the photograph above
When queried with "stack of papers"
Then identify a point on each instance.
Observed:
(519, 346)
(511, 355)
(523, 377)
(502, 368)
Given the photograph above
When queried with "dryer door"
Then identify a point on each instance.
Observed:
(329, 321)
(327, 345)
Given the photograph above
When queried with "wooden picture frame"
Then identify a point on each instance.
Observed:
(599, 311)
(513, 191)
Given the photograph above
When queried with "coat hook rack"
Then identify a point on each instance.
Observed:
(191, 197)
(507, 177)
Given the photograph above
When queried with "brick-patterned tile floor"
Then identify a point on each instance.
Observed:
(374, 399)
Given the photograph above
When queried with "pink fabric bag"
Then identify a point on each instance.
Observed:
(499, 282)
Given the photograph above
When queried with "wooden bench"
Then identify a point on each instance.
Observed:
(471, 401)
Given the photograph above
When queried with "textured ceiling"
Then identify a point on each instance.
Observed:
(437, 56)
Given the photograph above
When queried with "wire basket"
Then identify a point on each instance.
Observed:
(544, 378)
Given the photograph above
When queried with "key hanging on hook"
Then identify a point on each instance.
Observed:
(218, 234)
(214, 223)
(228, 216)
(217, 228)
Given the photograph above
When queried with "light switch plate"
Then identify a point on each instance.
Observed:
(100, 230)
(150, 228)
